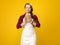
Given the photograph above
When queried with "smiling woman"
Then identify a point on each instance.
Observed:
(28, 21)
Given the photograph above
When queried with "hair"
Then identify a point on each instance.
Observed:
(30, 6)
(31, 9)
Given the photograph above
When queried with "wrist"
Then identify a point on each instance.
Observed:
(34, 24)
(22, 24)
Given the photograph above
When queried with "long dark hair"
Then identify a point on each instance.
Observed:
(31, 9)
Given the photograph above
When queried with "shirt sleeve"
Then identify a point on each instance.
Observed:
(19, 22)
(37, 22)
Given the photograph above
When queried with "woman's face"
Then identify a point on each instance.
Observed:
(27, 9)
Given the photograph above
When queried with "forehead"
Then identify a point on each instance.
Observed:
(27, 6)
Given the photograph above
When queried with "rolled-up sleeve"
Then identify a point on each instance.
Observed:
(19, 22)
(37, 21)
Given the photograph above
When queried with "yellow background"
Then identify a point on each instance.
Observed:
(48, 13)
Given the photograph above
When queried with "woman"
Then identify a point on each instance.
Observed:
(28, 21)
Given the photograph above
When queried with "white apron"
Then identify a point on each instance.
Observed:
(28, 35)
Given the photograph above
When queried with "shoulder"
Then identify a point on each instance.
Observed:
(35, 16)
(22, 16)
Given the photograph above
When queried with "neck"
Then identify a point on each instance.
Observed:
(28, 14)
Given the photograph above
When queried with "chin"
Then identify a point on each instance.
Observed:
(28, 12)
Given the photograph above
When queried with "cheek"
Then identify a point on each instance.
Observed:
(27, 9)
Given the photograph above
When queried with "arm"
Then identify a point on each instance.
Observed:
(36, 23)
(19, 22)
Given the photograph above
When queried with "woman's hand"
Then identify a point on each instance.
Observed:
(28, 17)
(34, 23)
(24, 22)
